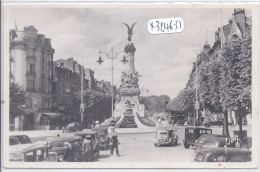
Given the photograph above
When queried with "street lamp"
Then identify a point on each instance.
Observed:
(111, 55)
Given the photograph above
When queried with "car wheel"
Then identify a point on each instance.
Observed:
(187, 146)
(156, 145)
(176, 142)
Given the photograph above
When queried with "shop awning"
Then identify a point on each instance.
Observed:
(52, 114)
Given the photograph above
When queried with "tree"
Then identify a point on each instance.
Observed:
(97, 106)
(204, 85)
(16, 101)
(154, 103)
(236, 76)
(184, 103)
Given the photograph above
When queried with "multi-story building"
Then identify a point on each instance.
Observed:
(237, 27)
(31, 66)
(89, 75)
(67, 81)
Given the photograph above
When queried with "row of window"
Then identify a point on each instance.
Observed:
(46, 103)
(31, 70)
(31, 86)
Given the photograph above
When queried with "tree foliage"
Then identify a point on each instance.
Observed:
(224, 84)
(155, 103)
(236, 75)
(97, 106)
(16, 100)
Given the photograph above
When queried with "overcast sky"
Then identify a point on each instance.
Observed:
(164, 61)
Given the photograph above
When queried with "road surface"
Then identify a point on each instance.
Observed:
(139, 147)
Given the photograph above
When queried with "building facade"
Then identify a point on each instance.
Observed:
(67, 81)
(237, 27)
(31, 66)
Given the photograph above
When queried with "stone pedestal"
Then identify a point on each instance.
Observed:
(128, 108)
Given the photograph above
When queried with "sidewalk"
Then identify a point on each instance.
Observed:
(49, 133)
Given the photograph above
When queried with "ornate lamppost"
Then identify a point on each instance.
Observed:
(112, 55)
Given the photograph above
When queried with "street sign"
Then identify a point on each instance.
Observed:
(113, 123)
(197, 105)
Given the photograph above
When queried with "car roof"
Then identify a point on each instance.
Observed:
(23, 148)
(86, 132)
(224, 150)
(18, 135)
(164, 129)
(66, 138)
(198, 128)
(213, 135)
(99, 128)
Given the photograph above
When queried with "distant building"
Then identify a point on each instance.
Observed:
(105, 87)
(89, 76)
(31, 66)
(67, 81)
(237, 27)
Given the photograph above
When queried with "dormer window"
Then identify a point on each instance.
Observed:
(234, 37)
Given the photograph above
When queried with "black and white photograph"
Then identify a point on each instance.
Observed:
(130, 85)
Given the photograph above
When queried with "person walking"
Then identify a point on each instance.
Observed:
(115, 144)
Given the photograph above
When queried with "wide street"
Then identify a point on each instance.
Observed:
(139, 147)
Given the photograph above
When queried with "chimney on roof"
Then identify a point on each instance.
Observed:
(70, 63)
(239, 10)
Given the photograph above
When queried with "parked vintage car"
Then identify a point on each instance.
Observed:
(165, 136)
(180, 120)
(192, 134)
(37, 152)
(210, 123)
(91, 148)
(214, 142)
(13, 141)
(103, 138)
(204, 137)
(60, 144)
(22, 139)
(222, 154)
(71, 127)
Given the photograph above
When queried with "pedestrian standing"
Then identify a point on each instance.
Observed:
(159, 123)
(93, 124)
(172, 122)
(115, 144)
(69, 154)
(232, 122)
(97, 124)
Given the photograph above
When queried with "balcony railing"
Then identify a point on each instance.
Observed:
(30, 89)
(30, 57)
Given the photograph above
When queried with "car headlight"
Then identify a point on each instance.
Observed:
(210, 145)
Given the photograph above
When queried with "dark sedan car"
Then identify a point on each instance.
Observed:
(205, 137)
(214, 142)
(22, 139)
(223, 155)
(192, 134)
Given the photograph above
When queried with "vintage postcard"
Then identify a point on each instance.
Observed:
(130, 85)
